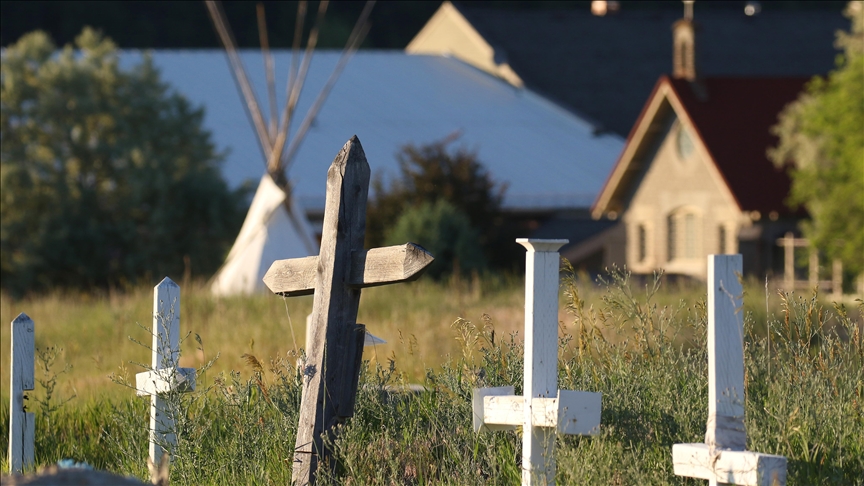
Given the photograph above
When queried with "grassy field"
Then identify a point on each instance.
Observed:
(644, 350)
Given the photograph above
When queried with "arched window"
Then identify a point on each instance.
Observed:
(683, 237)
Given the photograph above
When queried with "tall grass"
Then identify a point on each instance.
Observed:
(643, 347)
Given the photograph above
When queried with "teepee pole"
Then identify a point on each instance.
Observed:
(239, 73)
(268, 70)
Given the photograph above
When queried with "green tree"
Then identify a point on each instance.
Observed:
(106, 175)
(434, 172)
(444, 231)
(822, 137)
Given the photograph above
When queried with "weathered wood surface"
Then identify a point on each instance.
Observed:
(725, 428)
(541, 354)
(165, 375)
(331, 373)
(543, 410)
(722, 459)
(369, 268)
(571, 412)
(728, 467)
(22, 424)
(164, 381)
(334, 341)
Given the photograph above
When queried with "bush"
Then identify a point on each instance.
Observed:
(445, 232)
(435, 172)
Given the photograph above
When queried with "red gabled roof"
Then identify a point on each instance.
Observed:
(734, 121)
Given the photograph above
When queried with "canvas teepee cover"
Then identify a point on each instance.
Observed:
(269, 233)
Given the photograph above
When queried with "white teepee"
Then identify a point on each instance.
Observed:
(275, 227)
(270, 232)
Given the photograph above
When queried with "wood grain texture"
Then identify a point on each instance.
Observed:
(369, 268)
(21, 375)
(331, 365)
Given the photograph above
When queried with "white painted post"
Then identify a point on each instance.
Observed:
(541, 353)
(165, 376)
(22, 425)
(543, 410)
(723, 458)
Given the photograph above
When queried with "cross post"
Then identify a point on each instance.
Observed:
(544, 409)
(22, 424)
(335, 277)
(165, 375)
(723, 458)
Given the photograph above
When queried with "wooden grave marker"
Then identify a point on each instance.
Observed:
(166, 376)
(723, 458)
(335, 277)
(544, 409)
(22, 424)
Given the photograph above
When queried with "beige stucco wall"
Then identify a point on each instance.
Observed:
(675, 183)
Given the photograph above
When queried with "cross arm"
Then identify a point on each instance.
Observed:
(369, 268)
(165, 380)
(571, 412)
(732, 467)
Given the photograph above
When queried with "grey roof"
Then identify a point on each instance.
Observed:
(605, 67)
(549, 157)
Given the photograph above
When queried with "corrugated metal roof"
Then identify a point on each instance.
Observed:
(548, 157)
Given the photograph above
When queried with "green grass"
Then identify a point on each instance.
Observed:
(644, 350)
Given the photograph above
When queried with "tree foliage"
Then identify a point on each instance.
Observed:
(444, 231)
(107, 175)
(822, 135)
(434, 172)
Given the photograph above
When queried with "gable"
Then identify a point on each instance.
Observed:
(448, 33)
(731, 119)
(677, 173)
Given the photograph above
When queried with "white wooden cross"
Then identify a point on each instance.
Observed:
(723, 458)
(335, 277)
(22, 425)
(543, 410)
(166, 376)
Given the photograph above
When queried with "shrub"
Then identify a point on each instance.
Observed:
(445, 232)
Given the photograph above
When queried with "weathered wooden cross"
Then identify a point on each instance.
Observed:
(336, 276)
(166, 376)
(22, 425)
(544, 409)
(723, 458)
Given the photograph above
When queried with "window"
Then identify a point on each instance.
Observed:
(683, 237)
(721, 240)
(683, 143)
(642, 242)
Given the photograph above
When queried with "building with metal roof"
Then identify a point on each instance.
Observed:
(549, 158)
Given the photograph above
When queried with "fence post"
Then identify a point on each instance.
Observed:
(165, 375)
(22, 424)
